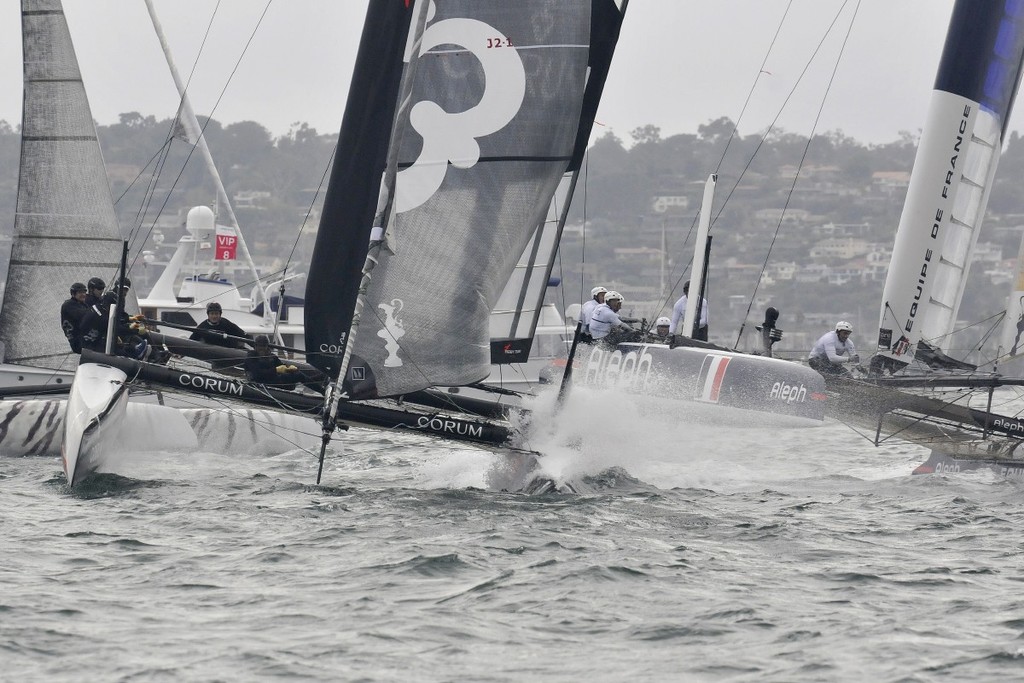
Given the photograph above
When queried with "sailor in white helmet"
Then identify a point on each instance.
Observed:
(587, 310)
(605, 323)
(834, 350)
(659, 333)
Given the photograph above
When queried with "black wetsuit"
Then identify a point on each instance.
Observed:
(214, 337)
(71, 313)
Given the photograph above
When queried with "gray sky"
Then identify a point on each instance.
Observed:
(679, 63)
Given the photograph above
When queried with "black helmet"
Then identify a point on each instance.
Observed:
(261, 340)
(96, 283)
(213, 306)
(78, 287)
(127, 283)
(108, 299)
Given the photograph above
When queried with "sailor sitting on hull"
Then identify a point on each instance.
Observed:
(834, 350)
(129, 336)
(587, 311)
(263, 366)
(71, 313)
(659, 334)
(605, 324)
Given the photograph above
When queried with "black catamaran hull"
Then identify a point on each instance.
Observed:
(710, 376)
(457, 427)
(941, 463)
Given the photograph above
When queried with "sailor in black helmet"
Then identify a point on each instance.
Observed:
(216, 326)
(263, 366)
(95, 293)
(71, 313)
(129, 336)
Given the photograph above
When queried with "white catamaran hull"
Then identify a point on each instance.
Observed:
(34, 428)
(95, 413)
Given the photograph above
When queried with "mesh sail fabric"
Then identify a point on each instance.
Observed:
(497, 93)
(65, 229)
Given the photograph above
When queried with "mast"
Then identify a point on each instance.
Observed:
(690, 319)
(195, 132)
(956, 161)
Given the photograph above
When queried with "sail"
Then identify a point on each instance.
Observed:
(514, 319)
(65, 229)
(498, 92)
(956, 160)
(351, 199)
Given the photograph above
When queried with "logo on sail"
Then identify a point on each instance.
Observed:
(451, 137)
(392, 332)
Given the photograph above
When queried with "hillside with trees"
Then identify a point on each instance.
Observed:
(801, 226)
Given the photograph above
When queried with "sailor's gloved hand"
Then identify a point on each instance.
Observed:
(139, 328)
(671, 341)
(292, 368)
(855, 359)
(281, 369)
(137, 318)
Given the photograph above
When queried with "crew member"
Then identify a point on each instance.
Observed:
(218, 330)
(71, 313)
(834, 350)
(95, 293)
(597, 295)
(679, 311)
(129, 336)
(659, 334)
(263, 366)
(605, 323)
(769, 332)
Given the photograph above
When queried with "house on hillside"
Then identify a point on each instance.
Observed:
(890, 183)
(842, 248)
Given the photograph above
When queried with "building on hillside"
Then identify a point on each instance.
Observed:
(890, 183)
(843, 248)
(250, 199)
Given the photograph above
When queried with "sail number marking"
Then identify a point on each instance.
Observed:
(500, 41)
(451, 138)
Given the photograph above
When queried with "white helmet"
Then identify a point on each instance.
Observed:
(597, 290)
(662, 322)
(611, 296)
(843, 326)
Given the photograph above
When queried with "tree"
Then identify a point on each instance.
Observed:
(646, 134)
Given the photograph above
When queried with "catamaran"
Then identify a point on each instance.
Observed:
(462, 123)
(977, 81)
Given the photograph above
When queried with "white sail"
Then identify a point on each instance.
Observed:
(949, 188)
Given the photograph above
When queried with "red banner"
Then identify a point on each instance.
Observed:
(227, 244)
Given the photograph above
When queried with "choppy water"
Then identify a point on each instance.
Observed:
(692, 553)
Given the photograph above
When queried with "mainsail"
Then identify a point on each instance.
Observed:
(514, 318)
(956, 161)
(501, 100)
(65, 229)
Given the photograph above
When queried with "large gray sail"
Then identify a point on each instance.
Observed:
(497, 93)
(65, 229)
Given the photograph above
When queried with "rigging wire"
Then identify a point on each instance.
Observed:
(670, 296)
(803, 157)
(209, 119)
